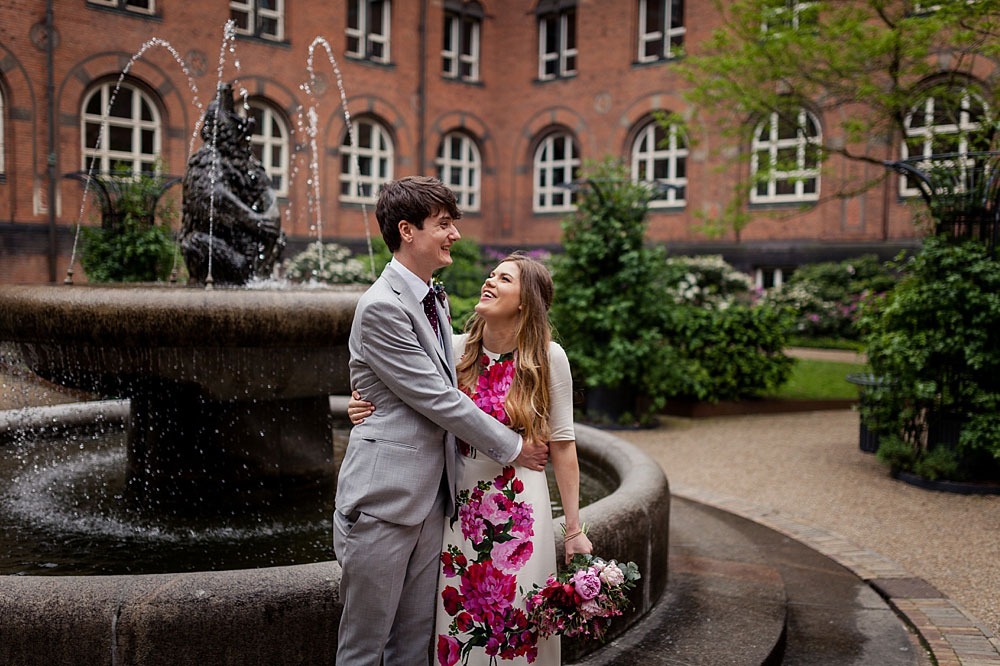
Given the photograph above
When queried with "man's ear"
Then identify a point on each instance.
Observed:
(405, 231)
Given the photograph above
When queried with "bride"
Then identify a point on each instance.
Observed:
(501, 541)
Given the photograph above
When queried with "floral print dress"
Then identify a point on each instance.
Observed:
(500, 543)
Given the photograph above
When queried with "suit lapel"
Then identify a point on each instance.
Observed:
(414, 308)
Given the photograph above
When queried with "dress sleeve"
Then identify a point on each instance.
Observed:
(560, 395)
(458, 345)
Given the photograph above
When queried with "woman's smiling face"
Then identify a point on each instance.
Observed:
(500, 297)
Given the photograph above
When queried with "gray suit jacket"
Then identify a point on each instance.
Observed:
(394, 461)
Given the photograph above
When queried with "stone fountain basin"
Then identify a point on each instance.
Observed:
(289, 615)
(227, 344)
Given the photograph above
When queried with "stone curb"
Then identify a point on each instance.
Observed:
(953, 636)
(58, 417)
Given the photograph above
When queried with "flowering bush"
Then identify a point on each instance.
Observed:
(330, 263)
(581, 600)
(827, 296)
(707, 281)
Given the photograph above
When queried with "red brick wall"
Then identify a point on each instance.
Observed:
(507, 112)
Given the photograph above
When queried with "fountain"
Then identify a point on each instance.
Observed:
(228, 412)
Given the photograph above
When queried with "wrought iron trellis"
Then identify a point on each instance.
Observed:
(961, 190)
(109, 188)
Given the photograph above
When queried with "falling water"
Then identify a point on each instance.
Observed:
(350, 134)
(155, 41)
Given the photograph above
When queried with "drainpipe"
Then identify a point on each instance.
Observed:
(421, 88)
(50, 87)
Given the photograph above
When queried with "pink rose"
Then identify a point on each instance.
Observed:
(586, 583)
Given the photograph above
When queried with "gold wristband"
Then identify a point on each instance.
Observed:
(573, 535)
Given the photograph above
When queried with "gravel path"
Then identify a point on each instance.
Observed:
(808, 465)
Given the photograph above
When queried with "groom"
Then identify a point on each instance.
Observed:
(397, 481)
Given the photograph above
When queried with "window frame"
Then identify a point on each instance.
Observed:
(255, 15)
(124, 6)
(774, 144)
(666, 33)
(928, 132)
(105, 154)
(455, 56)
(541, 195)
(562, 54)
(267, 141)
(364, 36)
(355, 179)
(468, 190)
(796, 8)
(671, 154)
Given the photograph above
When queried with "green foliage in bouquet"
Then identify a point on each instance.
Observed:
(935, 339)
(135, 247)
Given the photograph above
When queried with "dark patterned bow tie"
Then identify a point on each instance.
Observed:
(430, 309)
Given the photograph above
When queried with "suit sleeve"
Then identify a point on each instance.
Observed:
(393, 352)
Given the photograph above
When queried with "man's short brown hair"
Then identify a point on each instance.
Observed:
(414, 199)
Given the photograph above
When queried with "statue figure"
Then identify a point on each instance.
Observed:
(246, 238)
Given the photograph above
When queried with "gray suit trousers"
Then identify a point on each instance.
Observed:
(389, 589)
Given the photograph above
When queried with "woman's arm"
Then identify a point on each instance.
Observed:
(567, 470)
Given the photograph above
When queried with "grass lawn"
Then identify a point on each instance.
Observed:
(819, 380)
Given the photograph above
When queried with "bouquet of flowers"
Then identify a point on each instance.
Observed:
(583, 599)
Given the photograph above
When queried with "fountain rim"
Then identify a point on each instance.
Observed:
(157, 315)
(632, 522)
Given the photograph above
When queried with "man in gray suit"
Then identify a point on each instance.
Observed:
(397, 481)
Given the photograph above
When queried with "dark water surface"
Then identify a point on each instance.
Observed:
(62, 512)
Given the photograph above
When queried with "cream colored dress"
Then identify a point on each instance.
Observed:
(504, 532)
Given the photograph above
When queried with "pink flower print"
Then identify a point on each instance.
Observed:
(473, 527)
(523, 521)
(511, 556)
(448, 650)
(492, 388)
(487, 590)
(586, 583)
(495, 509)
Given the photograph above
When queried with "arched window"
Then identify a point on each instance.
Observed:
(130, 130)
(361, 178)
(659, 155)
(556, 162)
(941, 125)
(269, 142)
(459, 167)
(785, 158)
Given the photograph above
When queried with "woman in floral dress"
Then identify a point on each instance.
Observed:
(501, 541)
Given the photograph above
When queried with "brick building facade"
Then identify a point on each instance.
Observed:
(502, 99)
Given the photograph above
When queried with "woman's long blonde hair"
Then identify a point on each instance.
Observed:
(527, 402)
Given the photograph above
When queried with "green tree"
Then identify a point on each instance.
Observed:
(862, 66)
(609, 305)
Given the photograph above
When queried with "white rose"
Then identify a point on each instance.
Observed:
(612, 575)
